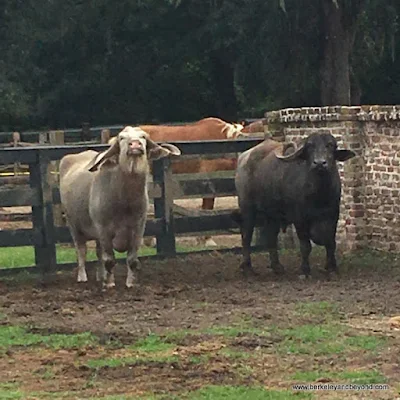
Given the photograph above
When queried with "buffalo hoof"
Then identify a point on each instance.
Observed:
(82, 276)
(247, 270)
(109, 285)
(331, 274)
(130, 281)
(278, 269)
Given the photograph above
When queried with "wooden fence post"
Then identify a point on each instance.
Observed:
(56, 138)
(163, 206)
(105, 136)
(16, 137)
(42, 215)
(85, 133)
(43, 138)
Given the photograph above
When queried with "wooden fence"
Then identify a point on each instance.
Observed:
(85, 133)
(43, 197)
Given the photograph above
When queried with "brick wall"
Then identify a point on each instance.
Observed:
(370, 203)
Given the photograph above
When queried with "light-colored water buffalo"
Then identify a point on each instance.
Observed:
(105, 199)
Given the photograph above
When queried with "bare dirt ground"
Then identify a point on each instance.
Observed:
(196, 293)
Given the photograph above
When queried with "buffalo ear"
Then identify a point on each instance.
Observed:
(100, 158)
(159, 151)
(344, 155)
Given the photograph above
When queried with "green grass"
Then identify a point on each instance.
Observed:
(244, 393)
(318, 309)
(354, 377)
(151, 344)
(325, 339)
(363, 342)
(115, 362)
(314, 339)
(234, 331)
(10, 391)
(124, 397)
(24, 256)
(235, 354)
(18, 336)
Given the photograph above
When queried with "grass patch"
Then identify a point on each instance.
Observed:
(116, 362)
(364, 342)
(235, 354)
(354, 377)
(148, 349)
(363, 377)
(319, 309)
(128, 397)
(314, 339)
(243, 393)
(202, 359)
(234, 331)
(10, 391)
(325, 339)
(151, 344)
(24, 256)
(18, 336)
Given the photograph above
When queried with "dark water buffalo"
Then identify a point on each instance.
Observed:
(281, 186)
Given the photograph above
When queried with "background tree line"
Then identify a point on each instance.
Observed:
(63, 62)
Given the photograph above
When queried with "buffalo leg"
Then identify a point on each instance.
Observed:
(246, 231)
(323, 233)
(132, 261)
(80, 248)
(81, 252)
(108, 261)
(331, 265)
(208, 204)
(305, 249)
(270, 233)
(101, 273)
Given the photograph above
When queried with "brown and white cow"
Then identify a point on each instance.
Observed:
(253, 127)
(206, 129)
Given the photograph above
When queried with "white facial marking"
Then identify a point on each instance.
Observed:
(233, 130)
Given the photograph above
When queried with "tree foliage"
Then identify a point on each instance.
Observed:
(65, 62)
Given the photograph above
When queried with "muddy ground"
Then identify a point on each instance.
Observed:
(195, 293)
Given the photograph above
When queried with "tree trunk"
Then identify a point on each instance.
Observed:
(223, 77)
(335, 67)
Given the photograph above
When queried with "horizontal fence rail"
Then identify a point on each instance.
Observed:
(28, 155)
(90, 133)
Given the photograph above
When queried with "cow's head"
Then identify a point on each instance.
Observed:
(320, 152)
(131, 149)
(232, 131)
